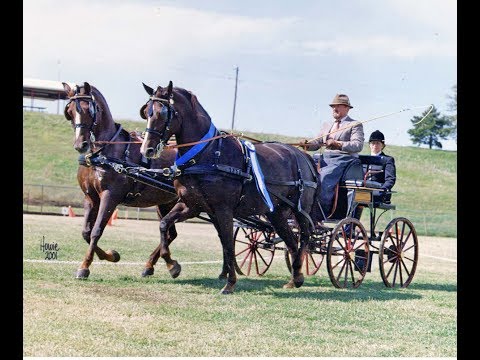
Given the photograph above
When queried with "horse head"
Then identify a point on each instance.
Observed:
(85, 110)
(166, 110)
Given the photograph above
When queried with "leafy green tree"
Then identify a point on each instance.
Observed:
(431, 129)
(452, 106)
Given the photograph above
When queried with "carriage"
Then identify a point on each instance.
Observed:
(349, 254)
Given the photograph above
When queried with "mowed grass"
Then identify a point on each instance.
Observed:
(116, 312)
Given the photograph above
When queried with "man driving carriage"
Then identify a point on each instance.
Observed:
(343, 141)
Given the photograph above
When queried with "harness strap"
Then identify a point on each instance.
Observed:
(294, 183)
(292, 205)
(200, 169)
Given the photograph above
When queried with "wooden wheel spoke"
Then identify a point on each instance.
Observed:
(405, 267)
(352, 273)
(405, 250)
(261, 257)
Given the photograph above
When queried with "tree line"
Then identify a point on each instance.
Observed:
(435, 126)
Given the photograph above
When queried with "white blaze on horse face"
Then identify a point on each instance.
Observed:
(146, 138)
(77, 122)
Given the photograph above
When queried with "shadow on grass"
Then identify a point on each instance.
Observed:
(319, 288)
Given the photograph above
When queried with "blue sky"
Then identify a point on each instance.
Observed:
(293, 57)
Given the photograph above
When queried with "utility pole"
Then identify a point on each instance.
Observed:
(58, 101)
(235, 97)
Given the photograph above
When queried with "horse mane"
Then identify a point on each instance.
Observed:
(101, 101)
(197, 107)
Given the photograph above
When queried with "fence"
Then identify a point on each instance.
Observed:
(55, 200)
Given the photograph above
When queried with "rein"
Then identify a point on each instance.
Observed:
(175, 146)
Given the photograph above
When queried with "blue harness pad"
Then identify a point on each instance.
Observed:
(258, 174)
(181, 160)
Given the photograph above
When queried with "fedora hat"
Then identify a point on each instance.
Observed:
(341, 99)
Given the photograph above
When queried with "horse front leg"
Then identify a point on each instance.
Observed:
(180, 212)
(91, 205)
(105, 210)
(154, 256)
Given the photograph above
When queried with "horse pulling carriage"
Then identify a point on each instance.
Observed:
(254, 212)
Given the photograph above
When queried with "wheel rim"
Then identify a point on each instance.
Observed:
(348, 254)
(254, 251)
(398, 253)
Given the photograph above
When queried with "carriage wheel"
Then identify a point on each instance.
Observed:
(253, 247)
(348, 254)
(398, 253)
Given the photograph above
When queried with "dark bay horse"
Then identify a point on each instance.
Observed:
(97, 134)
(226, 178)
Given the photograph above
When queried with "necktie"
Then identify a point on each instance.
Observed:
(335, 127)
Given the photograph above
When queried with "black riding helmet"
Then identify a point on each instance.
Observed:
(377, 136)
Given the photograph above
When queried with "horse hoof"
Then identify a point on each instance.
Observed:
(227, 289)
(115, 255)
(82, 274)
(175, 270)
(299, 282)
(289, 285)
(147, 272)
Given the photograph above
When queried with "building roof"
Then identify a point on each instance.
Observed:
(44, 89)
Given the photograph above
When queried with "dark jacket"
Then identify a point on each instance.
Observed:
(389, 174)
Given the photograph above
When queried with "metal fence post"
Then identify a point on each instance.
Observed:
(41, 201)
(425, 224)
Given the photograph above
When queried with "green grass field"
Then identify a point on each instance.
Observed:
(116, 312)
(426, 179)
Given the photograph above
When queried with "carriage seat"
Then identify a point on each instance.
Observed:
(356, 175)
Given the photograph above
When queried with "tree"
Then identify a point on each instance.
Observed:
(431, 129)
(452, 106)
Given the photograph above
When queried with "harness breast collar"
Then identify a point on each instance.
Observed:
(196, 149)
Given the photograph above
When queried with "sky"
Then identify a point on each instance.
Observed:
(292, 58)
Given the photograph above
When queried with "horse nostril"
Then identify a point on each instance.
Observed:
(82, 148)
(149, 153)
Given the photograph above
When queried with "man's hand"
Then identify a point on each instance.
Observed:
(333, 145)
(309, 146)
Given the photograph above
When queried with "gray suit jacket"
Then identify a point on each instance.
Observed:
(352, 137)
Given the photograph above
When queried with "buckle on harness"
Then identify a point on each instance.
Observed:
(87, 159)
(172, 171)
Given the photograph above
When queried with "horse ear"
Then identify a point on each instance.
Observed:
(66, 87)
(142, 112)
(87, 87)
(148, 89)
(170, 88)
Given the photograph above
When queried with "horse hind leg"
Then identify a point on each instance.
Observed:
(223, 222)
(279, 220)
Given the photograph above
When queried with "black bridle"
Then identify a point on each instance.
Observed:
(92, 109)
(166, 114)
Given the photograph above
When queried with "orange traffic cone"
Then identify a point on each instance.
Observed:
(70, 212)
(115, 214)
(110, 221)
